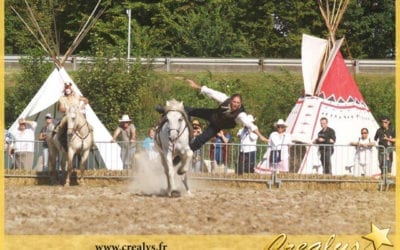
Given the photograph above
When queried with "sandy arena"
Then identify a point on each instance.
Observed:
(136, 208)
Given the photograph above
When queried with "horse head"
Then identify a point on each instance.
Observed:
(175, 116)
(76, 119)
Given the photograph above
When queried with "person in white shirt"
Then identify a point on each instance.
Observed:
(229, 113)
(279, 142)
(364, 153)
(247, 149)
(24, 144)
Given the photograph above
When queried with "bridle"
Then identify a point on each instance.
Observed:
(179, 130)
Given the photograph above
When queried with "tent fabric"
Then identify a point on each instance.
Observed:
(339, 84)
(312, 51)
(337, 98)
(45, 101)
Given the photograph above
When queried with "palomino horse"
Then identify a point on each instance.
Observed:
(79, 141)
(172, 140)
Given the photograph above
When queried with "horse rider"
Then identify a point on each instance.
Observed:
(229, 112)
(68, 100)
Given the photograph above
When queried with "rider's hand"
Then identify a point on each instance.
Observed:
(193, 84)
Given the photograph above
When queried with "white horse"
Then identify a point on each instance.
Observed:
(172, 140)
(79, 141)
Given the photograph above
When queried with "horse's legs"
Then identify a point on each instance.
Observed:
(52, 164)
(69, 164)
(185, 162)
(185, 183)
(82, 166)
(169, 173)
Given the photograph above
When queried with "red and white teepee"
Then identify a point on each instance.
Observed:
(330, 91)
(333, 94)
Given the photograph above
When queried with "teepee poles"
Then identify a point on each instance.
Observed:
(83, 31)
(51, 46)
(332, 12)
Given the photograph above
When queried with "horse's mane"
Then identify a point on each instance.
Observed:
(174, 105)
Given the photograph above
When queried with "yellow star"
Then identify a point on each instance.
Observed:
(378, 237)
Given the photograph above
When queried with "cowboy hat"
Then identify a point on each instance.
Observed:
(125, 118)
(280, 122)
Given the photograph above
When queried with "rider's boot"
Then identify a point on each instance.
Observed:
(160, 109)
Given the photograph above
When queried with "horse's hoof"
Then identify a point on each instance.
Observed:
(175, 193)
(189, 193)
(181, 171)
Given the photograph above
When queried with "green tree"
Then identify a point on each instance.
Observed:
(35, 70)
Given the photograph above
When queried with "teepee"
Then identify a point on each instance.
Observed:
(46, 99)
(330, 91)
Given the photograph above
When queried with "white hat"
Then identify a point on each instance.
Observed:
(251, 118)
(280, 122)
(48, 115)
(125, 118)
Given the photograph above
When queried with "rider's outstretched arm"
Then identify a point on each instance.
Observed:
(213, 94)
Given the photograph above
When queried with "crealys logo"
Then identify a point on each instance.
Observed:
(374, 240)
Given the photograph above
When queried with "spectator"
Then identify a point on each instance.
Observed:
(197, 154)
(326, 138)
(386, 138)
(247, 149)
(363, 157)
(48, 127)
(279, 142)
(148, 144)
(219, 149)
(126, 136)
(24, 144)
(8, 154)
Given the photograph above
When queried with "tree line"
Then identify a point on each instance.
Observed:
(204, 28)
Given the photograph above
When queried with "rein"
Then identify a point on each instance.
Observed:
(164, 120)
(78, 129)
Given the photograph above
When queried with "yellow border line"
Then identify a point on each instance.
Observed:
(397, 208)
(2, 198)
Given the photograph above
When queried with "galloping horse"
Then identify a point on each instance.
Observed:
(172, 139)
(79, 141)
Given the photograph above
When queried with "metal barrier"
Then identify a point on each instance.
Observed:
(300, 163)
(180, 64)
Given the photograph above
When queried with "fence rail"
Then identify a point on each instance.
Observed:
(174, 64)
(225, 163)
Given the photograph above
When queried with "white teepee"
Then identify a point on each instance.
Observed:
(337, 98)
(46, 99)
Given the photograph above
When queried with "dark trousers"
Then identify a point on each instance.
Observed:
(246, 162)
(326, 153)
(209, 132)
(385, 160)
